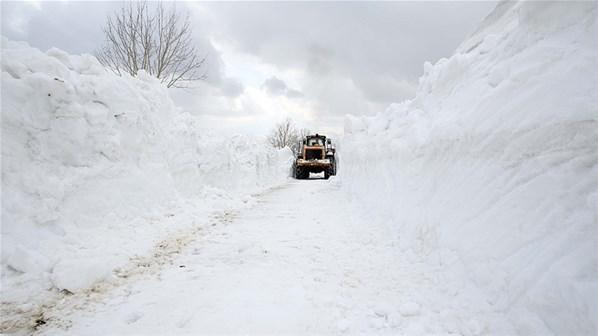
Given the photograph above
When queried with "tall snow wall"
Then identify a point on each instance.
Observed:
(97, 168)
(491, 169)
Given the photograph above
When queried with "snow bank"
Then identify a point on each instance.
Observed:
(97, 168)
(492, 169)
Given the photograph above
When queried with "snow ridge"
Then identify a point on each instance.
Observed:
(97, 168)
(491, 170)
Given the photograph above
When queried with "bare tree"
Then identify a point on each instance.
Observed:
(284, 135)
(157, 41)
(303, 133)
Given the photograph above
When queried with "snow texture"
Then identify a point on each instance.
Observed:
(276, 269)
(491, 170)
(97, 168)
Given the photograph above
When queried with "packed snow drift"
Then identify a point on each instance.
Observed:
(491, 171)
(97, 168)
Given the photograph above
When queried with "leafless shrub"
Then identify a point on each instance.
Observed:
(157, 41)
(284, 135)
(303, 133)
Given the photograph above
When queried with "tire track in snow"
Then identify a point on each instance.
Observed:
(164, 253)
(301, 261)
(51, 313)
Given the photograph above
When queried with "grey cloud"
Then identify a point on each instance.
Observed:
(349, 57)
(384, 88)
(277, 87)
(291, 93)
(319, 60)
(232, 87)
(65, 25)
(381, 47)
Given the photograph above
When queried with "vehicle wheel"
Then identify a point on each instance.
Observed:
(326, 174)
(333, 172)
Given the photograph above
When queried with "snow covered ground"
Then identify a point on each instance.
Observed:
(316, 267)
(97, 169)
(492, 169)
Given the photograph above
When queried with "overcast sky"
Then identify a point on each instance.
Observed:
(313, 62)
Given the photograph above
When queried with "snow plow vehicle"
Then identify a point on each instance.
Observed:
(316, 154)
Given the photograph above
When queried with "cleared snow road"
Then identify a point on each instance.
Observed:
(299, 261)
